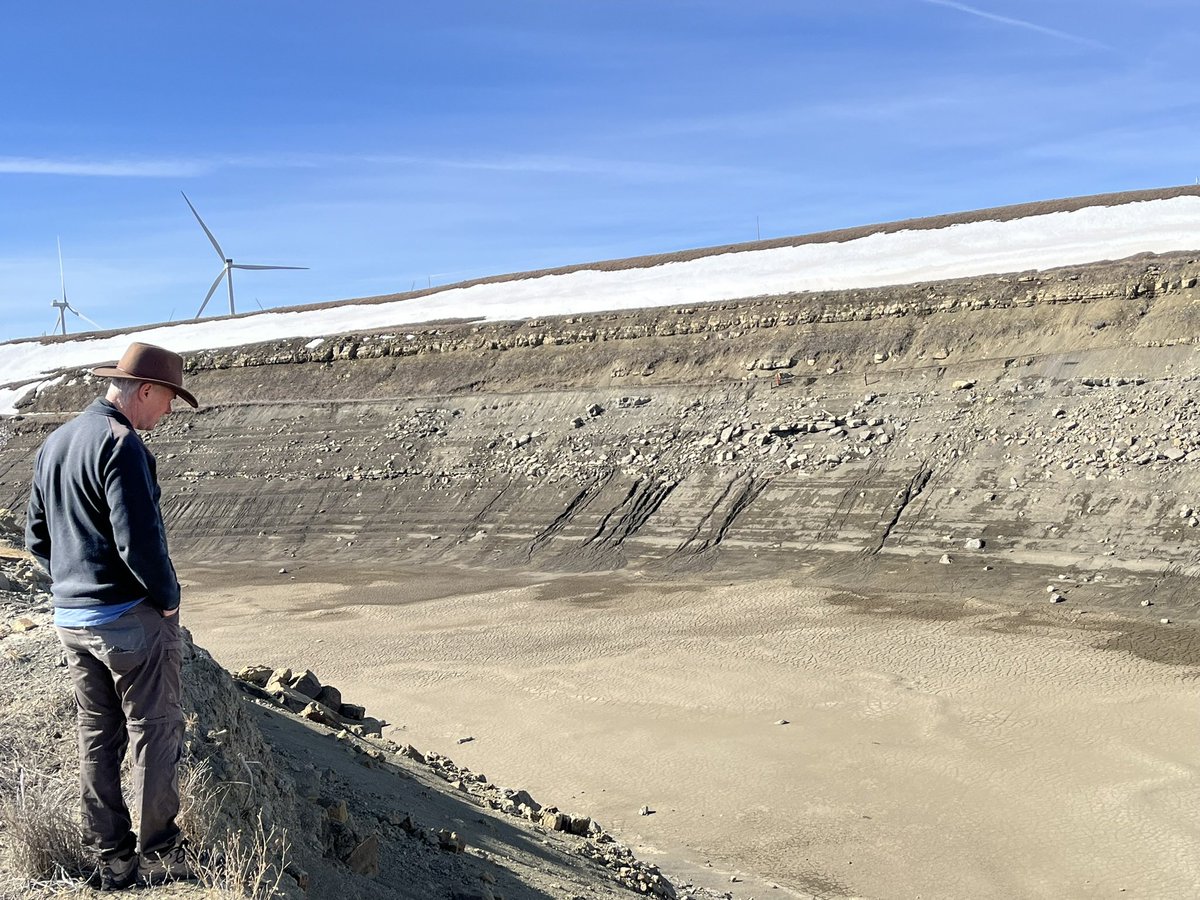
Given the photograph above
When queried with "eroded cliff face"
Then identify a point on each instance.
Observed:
(1035, 418)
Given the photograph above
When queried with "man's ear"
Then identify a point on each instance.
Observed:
(145, 389)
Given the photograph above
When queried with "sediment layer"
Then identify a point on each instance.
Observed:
(1042, 417)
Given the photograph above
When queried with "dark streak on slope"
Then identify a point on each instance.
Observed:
(640, 503)
(909, 494)
(743, 491)
(581, 499)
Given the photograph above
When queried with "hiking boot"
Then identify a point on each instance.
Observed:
(116, 873)
(176, 863)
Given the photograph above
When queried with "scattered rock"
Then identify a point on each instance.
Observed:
(337, 811)
(306, 683)
(450, 841)
(352, 711)
(364, 859)
(329, 696)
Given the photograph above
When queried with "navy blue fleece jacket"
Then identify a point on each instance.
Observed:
(93, 520)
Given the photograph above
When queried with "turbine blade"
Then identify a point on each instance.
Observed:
(61, 272)
(99, 327)
(216, 246)
(240, 266)
(212, 290)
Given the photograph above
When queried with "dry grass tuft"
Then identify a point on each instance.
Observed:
(199, 800)
(247, 864)
(41, 831)
(244, 864)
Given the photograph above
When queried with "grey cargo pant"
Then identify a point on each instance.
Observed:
(126, 676)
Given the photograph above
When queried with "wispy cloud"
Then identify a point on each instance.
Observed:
(147, 168)
(562, 165)
(93, 168)
(1020, 23)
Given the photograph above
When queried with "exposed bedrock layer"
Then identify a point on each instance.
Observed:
(1043, 417)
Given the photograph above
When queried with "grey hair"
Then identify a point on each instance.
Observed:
(123, 390)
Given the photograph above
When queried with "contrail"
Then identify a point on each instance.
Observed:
(1020, 23)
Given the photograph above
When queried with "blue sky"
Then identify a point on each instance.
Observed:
(390, 145)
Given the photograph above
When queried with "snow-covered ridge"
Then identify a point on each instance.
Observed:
(1087, 234)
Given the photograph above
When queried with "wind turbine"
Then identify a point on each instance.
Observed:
(62, 305)
(230, 265)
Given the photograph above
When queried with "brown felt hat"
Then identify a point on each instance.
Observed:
(145, 362)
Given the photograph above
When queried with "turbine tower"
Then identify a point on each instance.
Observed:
(62, 305)
(229, 264)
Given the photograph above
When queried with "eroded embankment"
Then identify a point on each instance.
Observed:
(1045, 417)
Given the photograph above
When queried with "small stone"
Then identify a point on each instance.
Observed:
(337, 812)
(306, 683)
(1147, 603)
(258, 675)
(450, 841)
(783, 722)
(352, 711)
(364, 859)
(465, 740)
(645, 811)
(580, 825)
(974, 544)
(1057, 598)
(329, 696)
(945, 560)
(24, 623)
(1165, 621)
(283, 571)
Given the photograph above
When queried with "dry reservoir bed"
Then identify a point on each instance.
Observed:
(973, 751)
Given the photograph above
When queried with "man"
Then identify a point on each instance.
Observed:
(94, 524)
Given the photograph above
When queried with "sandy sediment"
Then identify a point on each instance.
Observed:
(986, 750)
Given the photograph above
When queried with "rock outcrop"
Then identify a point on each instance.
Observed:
(1049, 415)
